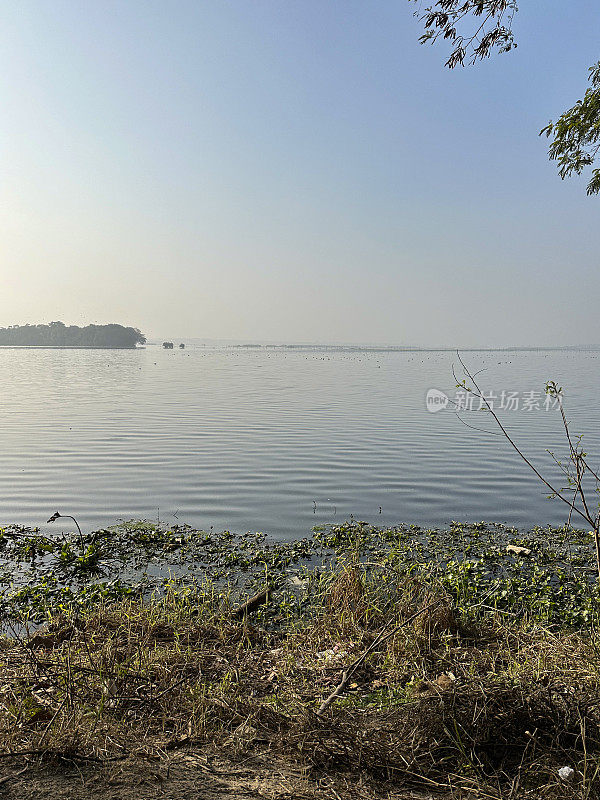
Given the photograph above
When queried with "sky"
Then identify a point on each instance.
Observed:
(298, 171)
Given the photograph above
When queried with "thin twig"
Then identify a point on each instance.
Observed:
(383, 636)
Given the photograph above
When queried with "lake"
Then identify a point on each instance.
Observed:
(280, 439)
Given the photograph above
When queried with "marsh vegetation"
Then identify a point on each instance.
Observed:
(486, 680)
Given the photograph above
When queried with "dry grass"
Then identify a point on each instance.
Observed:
(493, 708)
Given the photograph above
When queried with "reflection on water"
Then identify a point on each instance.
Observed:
(275, 440)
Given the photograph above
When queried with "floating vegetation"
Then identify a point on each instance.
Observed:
(40, 574)
(547, 574)
(487, 568)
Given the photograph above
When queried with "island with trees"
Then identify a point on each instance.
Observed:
(57, 334)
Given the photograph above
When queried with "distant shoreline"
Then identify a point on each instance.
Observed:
(67, 347)
(390, 348)
(59, 335)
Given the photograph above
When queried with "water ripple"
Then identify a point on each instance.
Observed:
(275, 440)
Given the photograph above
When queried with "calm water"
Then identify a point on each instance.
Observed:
(275, 440)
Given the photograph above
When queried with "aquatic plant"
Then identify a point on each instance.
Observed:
(576, 469)
(546, 574)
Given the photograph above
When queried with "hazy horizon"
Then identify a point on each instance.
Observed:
(308, 343)
(291, 173)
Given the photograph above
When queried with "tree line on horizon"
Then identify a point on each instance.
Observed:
(57, 334)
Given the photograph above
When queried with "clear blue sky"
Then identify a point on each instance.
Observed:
(294, 171)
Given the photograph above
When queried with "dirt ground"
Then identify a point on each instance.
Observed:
(192, 775)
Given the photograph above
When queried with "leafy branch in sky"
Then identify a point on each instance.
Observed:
(477, 28)
(490, 28)
(576, 135)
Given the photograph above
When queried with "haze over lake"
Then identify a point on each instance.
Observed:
(278, 439)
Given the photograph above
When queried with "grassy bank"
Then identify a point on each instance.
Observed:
(453, 683)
